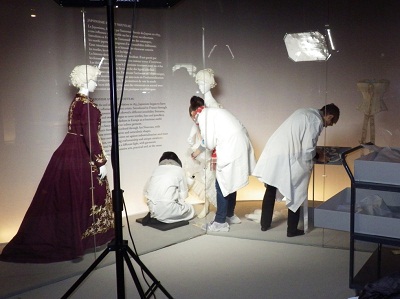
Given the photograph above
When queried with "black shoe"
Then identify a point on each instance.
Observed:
(297, 232)
(264, 228)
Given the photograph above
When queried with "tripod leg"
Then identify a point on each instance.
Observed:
(134, 276)
(156, 283)
(86, 273)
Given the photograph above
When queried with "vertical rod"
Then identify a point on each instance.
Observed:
(117, 194)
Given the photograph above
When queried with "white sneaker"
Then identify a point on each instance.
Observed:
(233, 220)
(257, 211)
(216, 227)
(253, 217)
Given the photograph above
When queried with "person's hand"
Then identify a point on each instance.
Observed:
(323, 157)
(195, 154)
(102, 172)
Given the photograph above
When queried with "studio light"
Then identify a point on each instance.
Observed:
(331, 44)
(306, 46)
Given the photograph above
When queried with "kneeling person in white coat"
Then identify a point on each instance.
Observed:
(166, 191)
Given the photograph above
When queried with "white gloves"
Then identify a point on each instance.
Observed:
(102, 172)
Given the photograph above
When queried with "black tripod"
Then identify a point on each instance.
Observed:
(120, 246)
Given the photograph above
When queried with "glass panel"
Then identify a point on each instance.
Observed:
(243, 44)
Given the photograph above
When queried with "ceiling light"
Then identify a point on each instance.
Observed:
(329, 34)
(306, 46)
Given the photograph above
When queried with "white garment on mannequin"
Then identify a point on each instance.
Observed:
(372, 91)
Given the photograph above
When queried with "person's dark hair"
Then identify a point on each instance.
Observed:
(331, 109)
(170, 156)
(195, 102)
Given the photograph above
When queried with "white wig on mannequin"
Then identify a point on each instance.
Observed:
(206, 76)
(82, 74)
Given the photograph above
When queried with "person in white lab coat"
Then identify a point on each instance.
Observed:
(233, 157)
(204, 181)
(287, 160)
(166, 191)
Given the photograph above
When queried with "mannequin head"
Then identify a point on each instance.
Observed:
(205, 80)
(84, 77)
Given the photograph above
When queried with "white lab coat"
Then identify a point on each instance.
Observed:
(287, 159)
(222, 131)
(166, 191)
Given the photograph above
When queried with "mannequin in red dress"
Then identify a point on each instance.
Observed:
(71, 210)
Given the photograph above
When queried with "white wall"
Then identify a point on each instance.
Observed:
(256, 80)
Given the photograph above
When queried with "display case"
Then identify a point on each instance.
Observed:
(335, 214)
(385, 259)
(369, 179)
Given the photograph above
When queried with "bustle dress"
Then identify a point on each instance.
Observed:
(71, 211)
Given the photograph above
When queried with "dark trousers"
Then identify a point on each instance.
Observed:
(225, 205)
(268, 210)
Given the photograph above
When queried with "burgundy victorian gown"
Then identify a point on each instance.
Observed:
(72, 208)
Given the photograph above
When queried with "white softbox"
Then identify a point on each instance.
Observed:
(306, 46)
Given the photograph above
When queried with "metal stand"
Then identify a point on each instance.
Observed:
(120, 246)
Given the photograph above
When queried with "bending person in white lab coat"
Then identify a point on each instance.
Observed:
(166, 191)
(287, 160)
(233, 158)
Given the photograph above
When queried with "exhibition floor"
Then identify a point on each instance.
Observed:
(243, 263)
